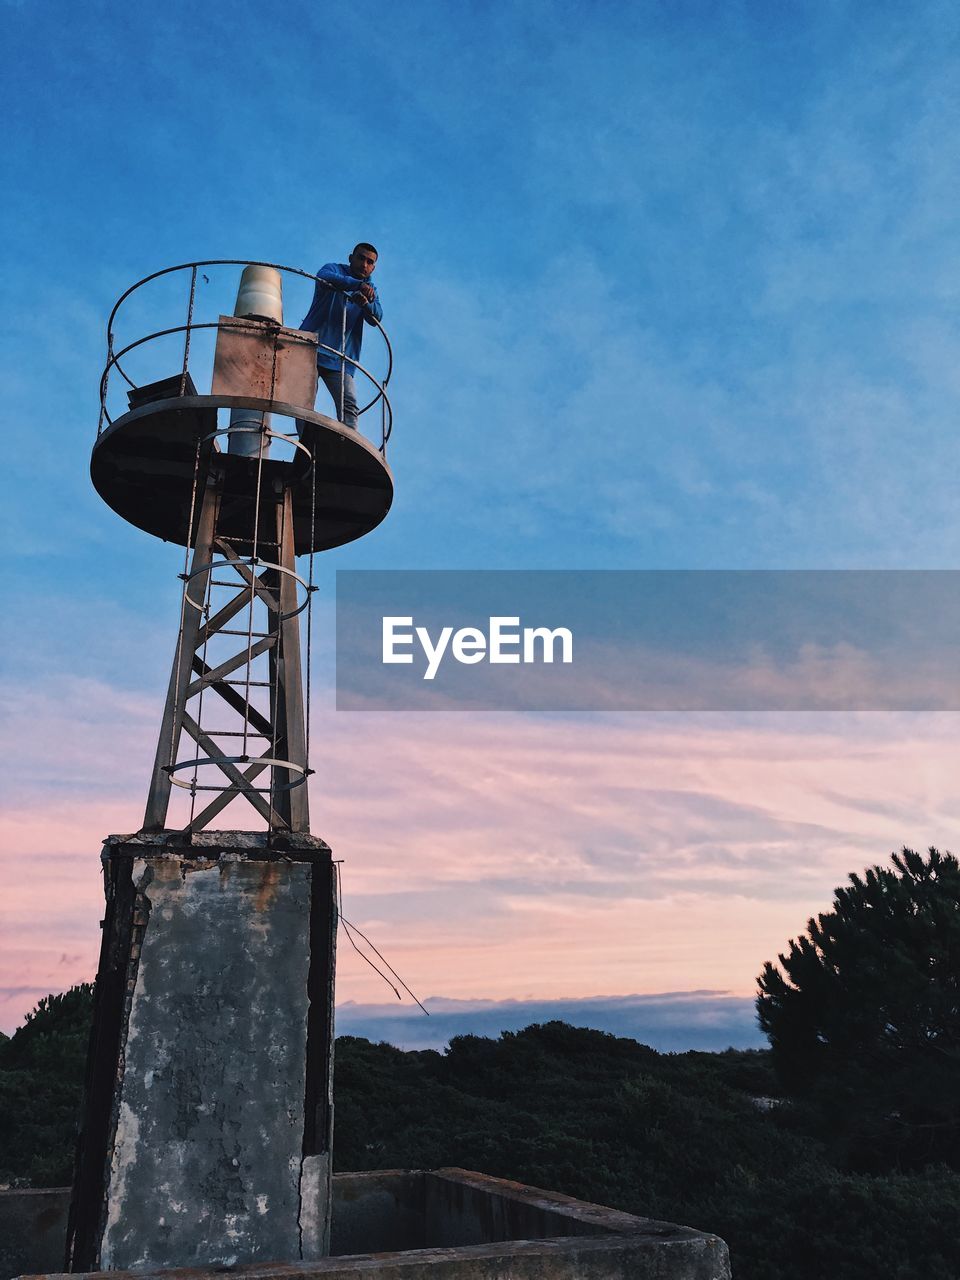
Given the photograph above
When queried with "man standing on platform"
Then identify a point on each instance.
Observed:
(343, 300)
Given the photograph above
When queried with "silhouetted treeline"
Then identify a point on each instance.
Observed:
(690, 1138)
(863, 1017)
(687, 1137)
(41, 1084)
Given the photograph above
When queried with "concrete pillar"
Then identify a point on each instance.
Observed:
(208, 1113)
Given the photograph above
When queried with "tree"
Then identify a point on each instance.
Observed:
(41, 1084)
(863, 1015)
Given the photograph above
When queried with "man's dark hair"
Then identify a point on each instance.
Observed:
(363, 245)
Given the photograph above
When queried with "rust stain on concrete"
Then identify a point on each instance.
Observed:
(269, 883)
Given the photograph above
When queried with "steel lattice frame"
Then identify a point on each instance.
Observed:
(273, 583)
(162, 467)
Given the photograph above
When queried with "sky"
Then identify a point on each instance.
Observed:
(670, 286)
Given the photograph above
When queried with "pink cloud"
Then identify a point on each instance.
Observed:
(506, 856)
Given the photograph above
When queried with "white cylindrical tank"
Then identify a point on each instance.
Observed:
(260, 297)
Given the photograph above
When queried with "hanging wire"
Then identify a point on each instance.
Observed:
(251, 601)
(281, 524)
(351, 929)
(205, 615)
(178, 711)
(273, 660)
(204, 665)
(104, 384)
(343, 353)
(189, 329)
(310, 587)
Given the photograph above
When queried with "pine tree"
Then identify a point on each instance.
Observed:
(863, 1014)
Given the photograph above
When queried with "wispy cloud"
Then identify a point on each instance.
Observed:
(508, 856)
(671, 1022)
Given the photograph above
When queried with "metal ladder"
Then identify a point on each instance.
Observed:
(237, 679)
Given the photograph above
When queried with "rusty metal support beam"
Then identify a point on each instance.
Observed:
(232, 664)
(271, 588)
(228, 612)
(195, 593)
(249, 577)
(238, 783)
(206, 816)
(233, 699)
(290, 800)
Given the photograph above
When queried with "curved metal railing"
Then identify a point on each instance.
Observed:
(192, 326)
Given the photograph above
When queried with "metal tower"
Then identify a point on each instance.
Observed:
(206, 1136)
(245, 499)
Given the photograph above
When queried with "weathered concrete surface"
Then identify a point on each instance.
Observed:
(378, 1212)
(314, 1216)
(214, 1067)
(392, 1222)
(462, 1208)
(213, 1153)
(33, 1230)
(607, 1258)
(398, 1209)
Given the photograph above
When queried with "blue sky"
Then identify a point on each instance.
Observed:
(669, 286)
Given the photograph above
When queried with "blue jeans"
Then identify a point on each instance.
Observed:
(342, 387)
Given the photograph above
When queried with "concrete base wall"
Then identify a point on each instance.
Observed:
(33, 1230)
(378, 1212)
(207, 1120)
(394, 1210)
(447, 1224)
